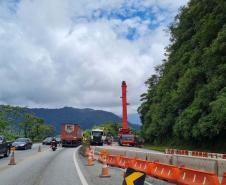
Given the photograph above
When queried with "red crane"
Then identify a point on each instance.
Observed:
(125, 134)
(124, 106)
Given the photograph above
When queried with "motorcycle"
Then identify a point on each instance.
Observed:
(54, 146)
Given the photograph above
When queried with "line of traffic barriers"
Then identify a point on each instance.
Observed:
(166, 172)
(195, 153)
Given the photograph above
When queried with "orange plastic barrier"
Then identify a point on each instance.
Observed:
(200, 154)
(184, 152)
(142, 166)
(195, 177)
(113, 160)
(205, 154)
(178, 152)
(125, 162)
(224, 179)
(165, 172)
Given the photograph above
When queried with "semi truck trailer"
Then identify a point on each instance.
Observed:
(71, 134)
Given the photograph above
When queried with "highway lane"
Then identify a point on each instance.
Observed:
(44, 168)
(23, 154)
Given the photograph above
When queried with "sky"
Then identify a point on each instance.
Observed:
(76, 53)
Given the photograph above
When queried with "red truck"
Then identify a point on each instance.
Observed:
(71, 134)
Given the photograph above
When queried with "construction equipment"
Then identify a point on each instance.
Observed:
(125, 134)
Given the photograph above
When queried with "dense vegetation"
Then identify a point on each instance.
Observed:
(185, 103)
(17, 122)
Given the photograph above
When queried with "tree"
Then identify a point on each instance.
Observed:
(185, 100)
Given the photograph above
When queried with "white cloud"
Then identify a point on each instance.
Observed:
(52, 53)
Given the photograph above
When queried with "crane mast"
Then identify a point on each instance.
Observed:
(125, 130)
(124, 106)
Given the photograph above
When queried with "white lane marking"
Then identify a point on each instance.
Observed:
(81, 176)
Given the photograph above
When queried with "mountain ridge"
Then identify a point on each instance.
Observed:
(86, 118)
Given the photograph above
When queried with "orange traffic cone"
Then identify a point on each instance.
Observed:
(12, 159)
(89, 159)
(105, 171)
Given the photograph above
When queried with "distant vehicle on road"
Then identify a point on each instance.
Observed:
(47, 141)
(71, 134)
(4, 147)
(97, 137)
(139, 142)
(22, 143)
(127, 139)
(58, 140)
(108, 139)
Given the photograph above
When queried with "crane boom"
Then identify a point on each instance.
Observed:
(124, 106)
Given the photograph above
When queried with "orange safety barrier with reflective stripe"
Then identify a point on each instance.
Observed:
(125, 162)
(223, 182)
(113, 160)
(165, 172)
(102, 154)
(142, 166)
(196, 177)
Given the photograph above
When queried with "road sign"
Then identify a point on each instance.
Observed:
(133, 177)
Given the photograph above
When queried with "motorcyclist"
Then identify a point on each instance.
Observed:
(54, 142)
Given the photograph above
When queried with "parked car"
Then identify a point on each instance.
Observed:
(47, 141)
(4, 147)
(22, 143)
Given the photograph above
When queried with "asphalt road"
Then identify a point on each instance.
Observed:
(62, 167)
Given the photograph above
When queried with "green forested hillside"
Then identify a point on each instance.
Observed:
(186, 99)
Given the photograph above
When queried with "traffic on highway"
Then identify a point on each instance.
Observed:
(112, 92)
(72, 158)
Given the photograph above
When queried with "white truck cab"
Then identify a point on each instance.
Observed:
(98, 137)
